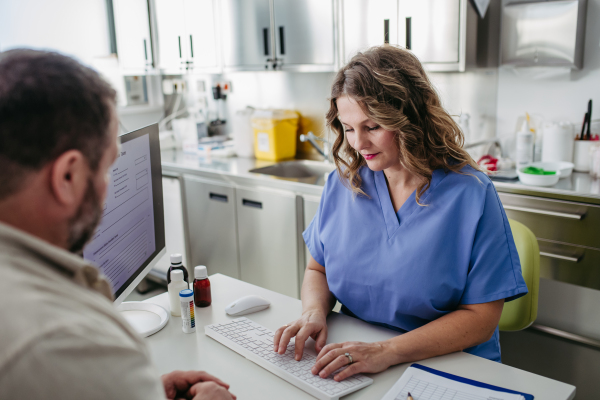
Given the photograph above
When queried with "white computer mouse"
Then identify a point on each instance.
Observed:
(247, 305)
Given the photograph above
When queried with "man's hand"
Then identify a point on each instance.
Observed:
(181, 385)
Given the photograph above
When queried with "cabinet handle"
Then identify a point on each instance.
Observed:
(191, 47)
(145, 51)
(218, 197)
(408, 33)
(250, 203)
(266, 40)
(281, 40)
(544, 212)
(179, 39)
(560, 257)
(386, 31)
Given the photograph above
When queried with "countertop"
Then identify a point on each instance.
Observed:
(579, 187)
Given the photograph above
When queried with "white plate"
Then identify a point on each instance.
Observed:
(145, 318)
(565, 168)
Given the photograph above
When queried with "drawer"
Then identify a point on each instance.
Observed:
(561, 221)
(570, 264)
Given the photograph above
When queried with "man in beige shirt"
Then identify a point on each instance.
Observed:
(60, 337)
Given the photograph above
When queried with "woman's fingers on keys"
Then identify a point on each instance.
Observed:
(328, 358)
(337, 363)
(288, 333)
(277, 337)
(301, 337)
(325, 350)
(353, 369)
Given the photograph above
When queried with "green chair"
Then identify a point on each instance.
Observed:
(519, 314)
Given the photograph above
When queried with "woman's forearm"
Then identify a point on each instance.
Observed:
(315, 290)
(466, 327)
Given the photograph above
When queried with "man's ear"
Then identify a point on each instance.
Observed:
(68, 177)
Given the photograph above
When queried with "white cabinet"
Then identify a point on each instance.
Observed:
(132, 27)
(435, 30)
(210, 207)
(368, 23)
(186, 35)
(278, 34)
(267, 235)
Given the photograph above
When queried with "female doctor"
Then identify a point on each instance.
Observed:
(409, 233)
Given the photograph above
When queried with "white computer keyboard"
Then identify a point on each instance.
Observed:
(255, 342)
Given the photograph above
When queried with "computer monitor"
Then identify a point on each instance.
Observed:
(131, 236)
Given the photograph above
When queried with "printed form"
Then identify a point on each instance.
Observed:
(423, 385)
(125, 237)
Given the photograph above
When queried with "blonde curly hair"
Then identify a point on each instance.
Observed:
(393, 90)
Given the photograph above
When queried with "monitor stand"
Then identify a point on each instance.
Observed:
(145, 318)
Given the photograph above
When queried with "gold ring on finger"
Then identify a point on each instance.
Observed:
(350, 360)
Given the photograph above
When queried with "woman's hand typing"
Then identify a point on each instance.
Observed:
(312, 324)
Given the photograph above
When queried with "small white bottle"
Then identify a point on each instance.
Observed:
(177, 285)
(524, 146)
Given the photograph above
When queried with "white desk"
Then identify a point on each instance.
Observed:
(172, 349)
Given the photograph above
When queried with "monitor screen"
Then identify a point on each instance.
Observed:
(131, 233)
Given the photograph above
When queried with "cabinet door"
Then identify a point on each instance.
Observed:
(246, 33)
(132, 27)
(368, 23)
(212, 235)
(171, 34)
(200, 39)
(267, 239)
(431, 29)
(304, 32)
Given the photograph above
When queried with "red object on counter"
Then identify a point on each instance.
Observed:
(488, 162)
(202, 295)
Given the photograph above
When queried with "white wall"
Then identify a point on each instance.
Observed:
(78, 28)
(560, 98)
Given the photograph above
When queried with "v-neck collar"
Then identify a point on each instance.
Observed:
(394, 220)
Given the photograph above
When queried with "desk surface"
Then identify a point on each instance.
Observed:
(172, 349)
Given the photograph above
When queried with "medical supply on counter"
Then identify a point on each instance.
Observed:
(565, 168)
(275, 134)
(176, 264)
(538, 177)
(243, 135)
(595, 162)
(188, 319)
(247, 305)
(582, 154)
(525, 142)
(255, 342)
(202, 295)
(557, 142)
(177, 285)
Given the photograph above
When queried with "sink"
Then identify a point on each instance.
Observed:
(298, 169)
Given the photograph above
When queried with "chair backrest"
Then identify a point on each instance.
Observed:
(520, 313)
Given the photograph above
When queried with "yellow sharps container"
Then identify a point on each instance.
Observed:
(275, 133)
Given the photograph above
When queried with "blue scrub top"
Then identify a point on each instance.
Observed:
(405, 269)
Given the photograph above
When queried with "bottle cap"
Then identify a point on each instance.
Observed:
(200, 272)
(186, 293)
(176, 258)
(176, 275)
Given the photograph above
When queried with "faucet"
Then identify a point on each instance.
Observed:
(312, 139)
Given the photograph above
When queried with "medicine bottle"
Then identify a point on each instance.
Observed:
(176, 264)
(188, 317)
(177, 285)
(202, 296)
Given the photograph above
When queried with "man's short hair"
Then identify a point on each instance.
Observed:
(49, 104)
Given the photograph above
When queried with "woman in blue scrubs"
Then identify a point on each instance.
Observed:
(409, 234)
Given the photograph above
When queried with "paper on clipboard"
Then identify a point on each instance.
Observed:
(423, 385)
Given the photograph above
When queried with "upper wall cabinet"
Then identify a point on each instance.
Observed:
(435, 30)
(132, 27)
(368, 23)
(186, 36)
(278, 34)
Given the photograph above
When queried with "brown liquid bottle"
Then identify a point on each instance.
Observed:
(176, 263)
(202, 296)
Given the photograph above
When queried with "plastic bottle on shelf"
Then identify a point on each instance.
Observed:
(177, 285)
(525, 142)
(176, 264)
(202, 295)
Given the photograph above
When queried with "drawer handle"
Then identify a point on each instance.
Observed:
(560, 257)
(250, 203)
(218, 197)
(544, 212)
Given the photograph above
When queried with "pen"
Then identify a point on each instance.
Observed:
(589, 126)
(583, 126)
(409, 397)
